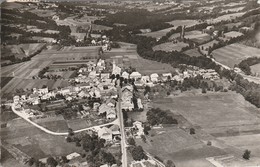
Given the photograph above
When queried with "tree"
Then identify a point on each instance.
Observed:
(64, 159)
(246, 154)
(131, 141)
(138, 153)
(31, 161)
(69, 139)
(52, 162)
(203, 90)
(147, 90)
(146, 129)
(143, 138)
(169, 163)
(192, 131)
(70, 131)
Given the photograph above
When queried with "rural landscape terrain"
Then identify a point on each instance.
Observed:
(118, 83)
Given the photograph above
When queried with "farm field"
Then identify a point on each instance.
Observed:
(68, 53)
(43, 13)
(22, 50)
(100, 27)
(205, 47)
(55, 124)
(193, 53)
(234, 54)
(255, 69)
(225, 17)
(19, 83)
(35, 142)
(63, 74)
(8, 160)
(244, 142)
(158, 34)
(209, 44)
(170, 46)
(236, 9)
(127, 56)
(24, 70)
(178, 145)
(5, 80)
(187, 23)
(196, 36)
(200, 110)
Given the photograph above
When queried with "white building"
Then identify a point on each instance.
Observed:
(105, 133)
(135, 75)
(116, 70)
(125, 75)
(154, 77)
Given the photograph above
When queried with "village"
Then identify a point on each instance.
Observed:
(93, 97)
(130, 83)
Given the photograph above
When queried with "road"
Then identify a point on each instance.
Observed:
(58, 133)
(248, 77)
(122, 128)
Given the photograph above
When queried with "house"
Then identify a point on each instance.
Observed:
(105, 47)
(208, 29)
(72, 156)
(93, 42)
(83, 94)
(145, 79)
(111, 114)
(85, 107)
(92, 74)
(96, 36)
(139, 103)
(83, 69)
(34, 99)
(43, 91)
(105, 165)
(154, 77)
(135, 75)
(127, 95)
(96, 105)
(128, 87)
(140, 130)
(115, 69)
(55, 18)
(111, 102)
(105, 133)
(104, 76)
(69, 98)
(115, 129)
(23, 97)
(145, 30)
(103, 108)
(65, 91)
(16, 99)
(125, 75)
(167, 75)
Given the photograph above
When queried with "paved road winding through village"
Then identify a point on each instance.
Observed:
(122, 128)
(58, 133)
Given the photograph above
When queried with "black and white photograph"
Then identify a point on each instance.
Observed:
(130, 83)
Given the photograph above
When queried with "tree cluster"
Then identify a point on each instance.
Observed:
(138, 153)
(244, 65)
(156, 116)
